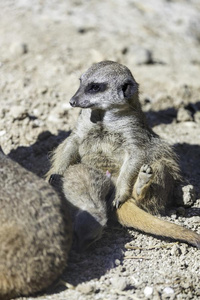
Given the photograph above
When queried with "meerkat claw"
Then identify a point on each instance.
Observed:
(53, 179)
(116, 203)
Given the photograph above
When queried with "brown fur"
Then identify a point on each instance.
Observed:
(35, 232)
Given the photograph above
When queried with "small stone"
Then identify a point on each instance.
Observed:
(184, 115)
(189, 195)
(117, 262)
(37, 123)
(82, 30)
(184, 249)
(2, 132)
(119, 283)
(43, 90)
(148, 291)
(18, 112)
(85, 288)
(175, 251)
(168, 290)
(186, 284)
(124, 50)
(197, 117)
(142, 56)
(18, 49)
(173, 214)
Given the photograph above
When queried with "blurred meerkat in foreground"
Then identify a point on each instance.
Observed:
(112, 136)
(35, 232)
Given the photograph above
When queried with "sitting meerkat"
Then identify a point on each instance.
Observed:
(35, 232)
(112, 136)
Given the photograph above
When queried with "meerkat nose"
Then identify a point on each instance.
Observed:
(73, 101)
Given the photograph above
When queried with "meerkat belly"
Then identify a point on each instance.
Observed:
(102, 151)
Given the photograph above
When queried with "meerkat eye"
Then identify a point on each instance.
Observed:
(93, 88)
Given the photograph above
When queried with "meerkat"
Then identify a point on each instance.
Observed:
(88, 194)
(35, 232)
(112, 135)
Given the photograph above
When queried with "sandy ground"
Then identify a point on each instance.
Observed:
(44, 47)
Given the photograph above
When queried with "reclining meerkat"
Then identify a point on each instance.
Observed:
(35, 232)
(112, 135)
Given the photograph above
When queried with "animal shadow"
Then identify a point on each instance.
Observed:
(169, 115)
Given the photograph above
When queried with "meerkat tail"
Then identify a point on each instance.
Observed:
(130, 215)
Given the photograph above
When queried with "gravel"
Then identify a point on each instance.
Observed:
(44, 49)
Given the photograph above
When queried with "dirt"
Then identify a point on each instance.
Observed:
(45, 46)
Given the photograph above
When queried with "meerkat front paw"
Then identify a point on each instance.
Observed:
(119, 199)
(144, 176)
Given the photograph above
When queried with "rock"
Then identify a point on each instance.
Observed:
(175, 251)
(197, 117)
(37, 123)
(185, 284)
(173, 214)
(43, 90)
(85, 288)
(2, 132)
(148, 291)
(189, 195)
(184, 115)
(18, 112)
(57, 113)
(117, 262)
(119, 283)
(142, 56)
(168, 290)
(18, 49)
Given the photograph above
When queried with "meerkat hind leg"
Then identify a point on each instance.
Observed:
(142, 181)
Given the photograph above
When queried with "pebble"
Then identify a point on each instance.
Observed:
(197, 117)
(117, 262)
(186, 284)
(184, 115)
(168, 290)
(18, 49)
(85, 288)
(148, 291)
(18, 112)
(142, 56)
(119, 283)
(189, 195)
(173, 216)
(175, 251)
(2, 132)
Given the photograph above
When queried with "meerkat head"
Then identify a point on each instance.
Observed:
(106, 85)
(87, 229)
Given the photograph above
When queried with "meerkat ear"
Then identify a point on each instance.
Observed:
(127, 89)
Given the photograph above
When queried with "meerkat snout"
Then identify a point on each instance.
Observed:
(87, 230)
(104, 87)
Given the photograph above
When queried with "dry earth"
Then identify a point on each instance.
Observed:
(44, 47)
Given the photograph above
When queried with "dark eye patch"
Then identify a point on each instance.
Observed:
(93, 88)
